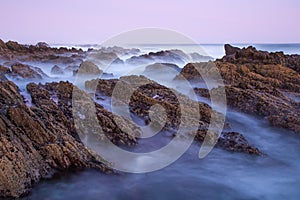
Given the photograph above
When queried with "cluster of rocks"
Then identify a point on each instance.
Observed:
(257, 82)
(42, 138)
(171, 56)
(41, 52)
(179, 109)
(39, 139)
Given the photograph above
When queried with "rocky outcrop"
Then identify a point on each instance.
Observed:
(25, 71)
(257, 82)
(253, 56)
(179, 109)
(35, 141)
(41, 52)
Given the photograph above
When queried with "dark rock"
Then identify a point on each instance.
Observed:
(172, 56)
(25, 71)
(230, 50)
(57, 70)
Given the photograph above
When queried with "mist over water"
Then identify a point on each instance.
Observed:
(220, 175)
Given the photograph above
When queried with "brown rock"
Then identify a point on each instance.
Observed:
(34, 141)
(25, 71)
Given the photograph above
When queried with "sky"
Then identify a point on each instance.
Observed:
(94, 21)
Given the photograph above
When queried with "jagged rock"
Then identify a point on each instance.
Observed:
(253, 56)
(25, 71)
(34, 141)
(258, 82)
(56, 70)
(230, 50)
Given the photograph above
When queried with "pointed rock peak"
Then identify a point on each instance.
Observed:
(230, 50)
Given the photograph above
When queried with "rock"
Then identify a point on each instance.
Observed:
(105, 57)
(14, 46)
(258, 83)
(35, 141)
(89, 68)
(230, 50)
(42, 45)
(162, 67)
(152, 93)
(203, 92)
(253, 56)
(25, 71)
(170, 56)
(57, 70)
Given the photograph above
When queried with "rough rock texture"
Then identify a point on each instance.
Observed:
(259, 82)
(13, 51)
(25, 71)
(35, 141)
(152, 93)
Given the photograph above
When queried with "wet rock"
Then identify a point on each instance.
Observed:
(35, 141)
(57, 70)
(203, 92)
(25, 71)
(258, 83)
(179, 110)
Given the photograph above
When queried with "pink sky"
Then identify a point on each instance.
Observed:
(93, 21)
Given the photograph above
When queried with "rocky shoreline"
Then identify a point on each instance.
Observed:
(40, 139)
